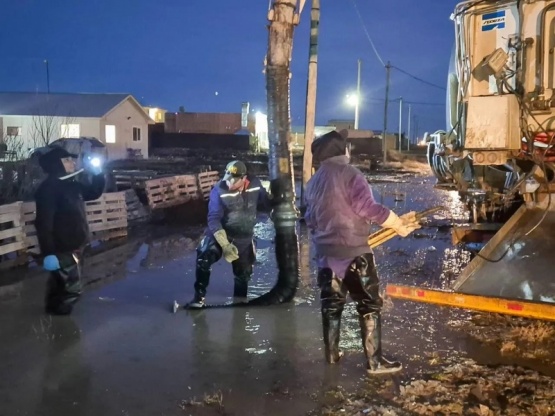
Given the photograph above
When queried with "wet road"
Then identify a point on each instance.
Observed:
(123, 353)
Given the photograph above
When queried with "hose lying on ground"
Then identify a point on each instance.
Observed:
(288, 275)
(286, 286)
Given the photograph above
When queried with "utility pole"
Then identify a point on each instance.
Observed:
(47, 77)
(416, 128)
(283, 18)
(408, 128)
(384, 134)
(400, 124)
(357, 104)
(310, 115)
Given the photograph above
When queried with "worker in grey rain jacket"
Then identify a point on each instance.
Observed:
(340, 208)
(232, 211)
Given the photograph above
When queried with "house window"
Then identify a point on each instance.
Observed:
(110, 133)
(13, 131)
(70, 130)
(136, 134)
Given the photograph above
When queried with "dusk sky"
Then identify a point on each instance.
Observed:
(208, 55)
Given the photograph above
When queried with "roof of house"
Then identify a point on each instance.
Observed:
(58, 104)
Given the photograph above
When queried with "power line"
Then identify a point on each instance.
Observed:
(419, 79)
(367, 34)
(424, 103)
(431, 84)
(406, 102)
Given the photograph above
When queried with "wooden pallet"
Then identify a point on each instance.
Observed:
(28, 214)
(206, 181)
(107, 216)
(11, 230)
(171, 191)
(132, 179)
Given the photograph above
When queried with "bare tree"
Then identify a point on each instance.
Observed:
(14, 182)
(46, 129)
(12, 147)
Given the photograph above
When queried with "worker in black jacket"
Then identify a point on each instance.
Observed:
(61, 224)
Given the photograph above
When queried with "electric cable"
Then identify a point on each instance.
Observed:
(418, 79)
(367, 33)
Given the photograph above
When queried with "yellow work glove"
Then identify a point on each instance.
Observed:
(403, 225)
(230, 251)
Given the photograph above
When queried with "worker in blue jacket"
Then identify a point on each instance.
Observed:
(232, 211)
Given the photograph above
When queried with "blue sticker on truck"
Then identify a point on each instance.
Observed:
(495, 20)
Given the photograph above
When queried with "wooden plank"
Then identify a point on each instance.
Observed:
(11, 247)
(114, 197)
(10, 217)
(10, 208)
(106, 216)
(103, 226)
(11, 233)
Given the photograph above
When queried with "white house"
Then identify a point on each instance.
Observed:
(30, 120)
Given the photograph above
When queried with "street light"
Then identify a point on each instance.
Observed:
(354, 101)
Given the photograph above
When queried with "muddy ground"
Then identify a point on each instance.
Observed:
(123, 352)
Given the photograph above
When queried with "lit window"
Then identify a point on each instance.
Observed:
(70, 130)
(13, 131)
(136, 134)
(110, 133)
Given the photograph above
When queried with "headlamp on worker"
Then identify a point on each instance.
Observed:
(235, 172)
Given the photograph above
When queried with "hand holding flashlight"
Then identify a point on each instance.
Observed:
(93, 164)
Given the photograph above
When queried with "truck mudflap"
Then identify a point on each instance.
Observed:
(519, 261)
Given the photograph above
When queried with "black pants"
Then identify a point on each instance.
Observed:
(209, 252)
(63, 288)
(361, 282)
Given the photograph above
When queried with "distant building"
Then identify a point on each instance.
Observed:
(298, 136)
(158, 115)
(392, 139)
(29, 120)
(342, 124)
(248, 122)
(212, 123)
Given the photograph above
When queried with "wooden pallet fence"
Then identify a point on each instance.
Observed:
(107, 216)
(171, 191)
(132, 179)
(28, 215)
(11, 230)
(206, 181)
